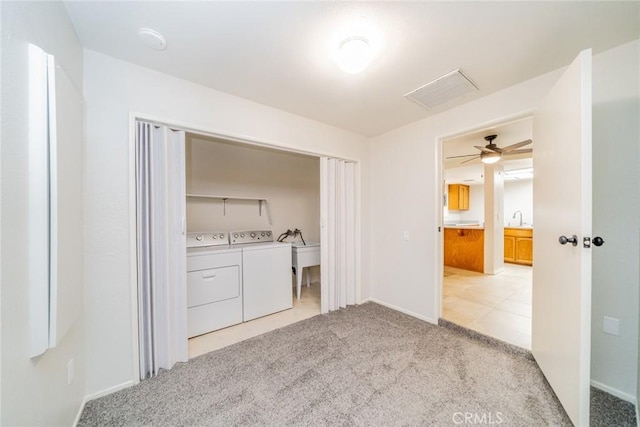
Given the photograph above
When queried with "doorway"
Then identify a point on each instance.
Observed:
(160, 172)
(486, 285)
(289, 185)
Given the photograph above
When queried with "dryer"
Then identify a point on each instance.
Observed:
(266, 273)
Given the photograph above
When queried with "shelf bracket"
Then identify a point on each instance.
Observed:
(266, 208)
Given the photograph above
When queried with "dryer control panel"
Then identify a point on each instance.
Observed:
(251, 236)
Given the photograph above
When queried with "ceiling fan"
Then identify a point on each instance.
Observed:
(491, 153)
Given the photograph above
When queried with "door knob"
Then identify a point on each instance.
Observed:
(564, 240)
(598, 241)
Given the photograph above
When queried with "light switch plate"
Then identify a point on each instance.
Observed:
(611, 325)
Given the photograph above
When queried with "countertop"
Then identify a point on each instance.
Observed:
(464, 226)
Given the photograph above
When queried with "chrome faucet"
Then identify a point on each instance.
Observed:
(514, 216)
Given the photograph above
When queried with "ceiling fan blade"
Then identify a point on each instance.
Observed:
(464, 155)
(469, 160)
(523, 151)
(516, 145)
(485, 149)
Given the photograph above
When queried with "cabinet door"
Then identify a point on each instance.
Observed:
(524, 250)
(454, 197)
(509, 249)
(464, 197)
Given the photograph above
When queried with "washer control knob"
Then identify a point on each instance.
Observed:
(268, 233)
(253, 235)
(222, 236)
(214, 236)
(242, 235)
(235, 235)
(262, 234)
(199, 237)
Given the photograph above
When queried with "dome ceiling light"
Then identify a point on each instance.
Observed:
(354, 54)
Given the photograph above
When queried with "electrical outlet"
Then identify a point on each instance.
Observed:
(611, 325)
(70, 371)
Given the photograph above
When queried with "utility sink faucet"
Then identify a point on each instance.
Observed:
(514, 216)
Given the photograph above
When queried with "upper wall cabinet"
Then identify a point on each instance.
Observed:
(458, 197)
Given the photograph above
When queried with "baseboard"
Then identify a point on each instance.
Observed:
(109, 390)
(617, 393)
(79, 414)
(402, 310)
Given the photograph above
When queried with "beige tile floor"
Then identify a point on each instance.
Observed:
(496, 305)
(308, 306)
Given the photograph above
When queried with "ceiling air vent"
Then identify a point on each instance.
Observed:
(451, 86)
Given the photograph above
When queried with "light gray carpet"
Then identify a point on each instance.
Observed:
(365, 365)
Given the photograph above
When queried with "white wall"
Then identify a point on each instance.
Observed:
(114, 89)
(35, 391)
(404, 180)
(404, 183)
(616, 147)
(518, 196)
(290, 182)
(476, 204)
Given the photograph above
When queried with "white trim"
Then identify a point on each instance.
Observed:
(236, 137)
(133, 250)
(108, 391)
(80, 411)
(615, 392)
(401, 310)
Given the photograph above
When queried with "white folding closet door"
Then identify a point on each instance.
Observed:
(337, 205)
(161, 247)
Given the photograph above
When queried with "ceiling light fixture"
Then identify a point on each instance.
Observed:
(152, 38)
(489, 158)
(354, 54)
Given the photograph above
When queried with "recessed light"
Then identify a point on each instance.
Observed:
(152, 38)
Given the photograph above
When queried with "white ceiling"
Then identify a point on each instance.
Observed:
(278, 53)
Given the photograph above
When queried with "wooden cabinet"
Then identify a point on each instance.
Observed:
(518, 245)
(464, 248)
(458, 197)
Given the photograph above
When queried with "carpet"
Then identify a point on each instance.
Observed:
(365, 366)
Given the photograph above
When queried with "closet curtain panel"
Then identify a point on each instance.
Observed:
(161, 247)
(337, 205)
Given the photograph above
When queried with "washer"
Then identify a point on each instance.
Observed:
(214, 283)
(266, 273)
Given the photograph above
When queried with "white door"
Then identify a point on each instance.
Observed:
(561, 330)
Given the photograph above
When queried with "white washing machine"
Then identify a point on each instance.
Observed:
(266, 273)
(214, 283)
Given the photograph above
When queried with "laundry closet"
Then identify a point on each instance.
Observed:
(241, 200)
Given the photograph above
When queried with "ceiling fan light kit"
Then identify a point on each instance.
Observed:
(490, 158)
